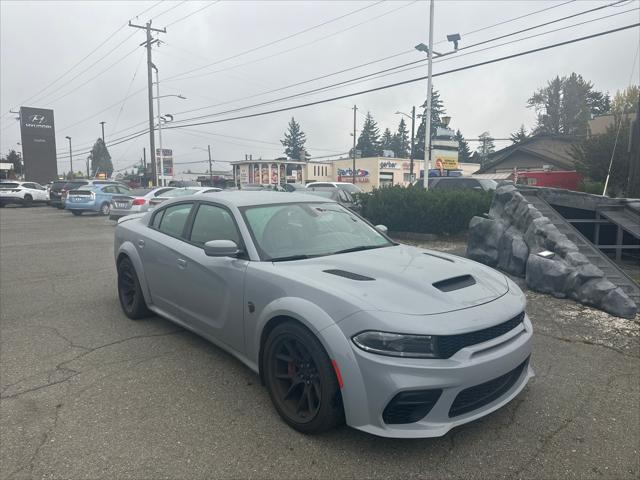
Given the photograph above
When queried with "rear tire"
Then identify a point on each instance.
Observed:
(76, 212)
(105, 209)
(300, 379)
(28, 200)
(130, 292)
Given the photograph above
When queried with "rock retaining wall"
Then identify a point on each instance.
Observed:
(516, 232)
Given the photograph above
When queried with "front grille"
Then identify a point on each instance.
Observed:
(411, 406)
(448, 345)
(475, 397)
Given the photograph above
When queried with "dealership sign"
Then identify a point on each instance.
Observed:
(37, 133)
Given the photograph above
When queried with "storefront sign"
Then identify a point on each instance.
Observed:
(38, 141)
(389, 164)
(346, 175)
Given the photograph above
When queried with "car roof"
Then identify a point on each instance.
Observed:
(239, 198)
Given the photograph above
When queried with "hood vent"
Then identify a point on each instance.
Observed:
(350, 275)
(455, 283)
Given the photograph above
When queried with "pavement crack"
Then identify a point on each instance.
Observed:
(585, 342)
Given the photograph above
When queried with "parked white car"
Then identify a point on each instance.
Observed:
(22, 193)
(346, 186)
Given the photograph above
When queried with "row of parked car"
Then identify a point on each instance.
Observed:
(114, 199)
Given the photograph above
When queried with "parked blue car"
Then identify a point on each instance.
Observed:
(95, 198)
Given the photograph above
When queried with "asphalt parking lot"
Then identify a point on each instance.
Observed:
(88, 393)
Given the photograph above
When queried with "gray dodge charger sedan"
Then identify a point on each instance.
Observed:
(340, 322)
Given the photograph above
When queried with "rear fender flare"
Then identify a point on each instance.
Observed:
(129, 250)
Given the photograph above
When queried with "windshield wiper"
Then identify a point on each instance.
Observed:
(360, 248)
(292, 257)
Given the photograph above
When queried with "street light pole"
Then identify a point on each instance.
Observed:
(161, 176)
(427, 132)
(353, 170)
(102, 124)
(413, 125)
(70, 155)
(210, 167)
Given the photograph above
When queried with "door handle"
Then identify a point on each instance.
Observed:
(182, 263)
(141, 243)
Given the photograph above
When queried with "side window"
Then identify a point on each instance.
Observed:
(123, 189)
(213, 223)
(161, 191)
(28, 185)
(157, 218)
(174, 219)
(109, 189)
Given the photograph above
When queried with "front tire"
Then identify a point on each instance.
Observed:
(130, 292)
(300, 379)
(105, 208)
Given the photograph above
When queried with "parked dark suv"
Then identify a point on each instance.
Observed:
(59, 187)
(458, 183)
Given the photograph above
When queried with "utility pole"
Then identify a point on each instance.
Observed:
(148, 43)
(353, 170)
(102, 124)
(427, 131)
(413, 125)
(70, 156)
(210, 167)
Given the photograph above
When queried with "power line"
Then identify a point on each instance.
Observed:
(169, 9)
(413, 80)
(544, 24)
(282, 39)
(393, 70)
(384, 87)
(210, 4)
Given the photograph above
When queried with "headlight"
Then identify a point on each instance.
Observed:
(396, 344)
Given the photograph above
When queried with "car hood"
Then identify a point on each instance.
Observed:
(402, 279)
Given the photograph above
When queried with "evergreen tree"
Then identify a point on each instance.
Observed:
(14, 158)
(100, 159)
(386, 141)
(369, 139)
(486, 146)
(565, 105)
(464, 152)
(625, 101)
(401, 144)
(294, 140)
(520, 135)
(437, 111)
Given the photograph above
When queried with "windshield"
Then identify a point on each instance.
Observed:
(295, 231)
(349, 187)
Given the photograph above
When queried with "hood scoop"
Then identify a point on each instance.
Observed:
(455, 283)
(349, 275)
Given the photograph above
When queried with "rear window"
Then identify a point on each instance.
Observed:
(140, 192)
(349, 187)
(180, 192)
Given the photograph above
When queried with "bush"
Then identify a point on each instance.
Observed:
(587, 186)
(412, 209)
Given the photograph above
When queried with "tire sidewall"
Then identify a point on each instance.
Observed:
(105, 209)
(330, 413)
(139, 308)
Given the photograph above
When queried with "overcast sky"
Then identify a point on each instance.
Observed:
(41, 41)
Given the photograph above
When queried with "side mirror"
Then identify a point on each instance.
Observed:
(382, 229)
(221, 248)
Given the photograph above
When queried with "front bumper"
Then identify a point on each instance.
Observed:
(371, 381)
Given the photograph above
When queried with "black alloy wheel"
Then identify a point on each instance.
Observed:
(301, 380)
(129, 291)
